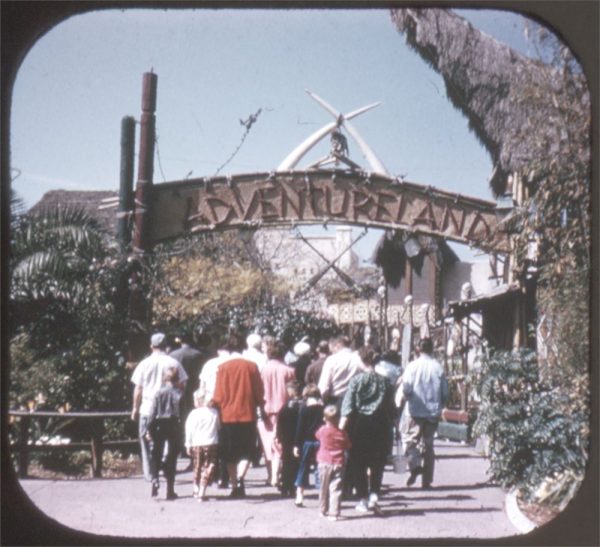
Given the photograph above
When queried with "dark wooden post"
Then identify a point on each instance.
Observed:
(96, 457)
(139, 306)
(126, 181)
(97, 428)
(141, 240)
(386, 342)
(23, 446)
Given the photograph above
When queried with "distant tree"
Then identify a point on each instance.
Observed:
(198, 280)
(221, 281)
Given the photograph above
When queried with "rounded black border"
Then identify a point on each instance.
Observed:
(22, 23)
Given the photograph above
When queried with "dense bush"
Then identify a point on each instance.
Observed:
(536, 431)
(213, 283)
(67, 317)
(290, 325)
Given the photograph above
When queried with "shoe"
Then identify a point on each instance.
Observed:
(324, 515)
(171, 496)
(362, 506)
(237, 493)
(333, 518)
(202, 498)
(241, 487)
(196, 492)
(154, 491)
(426, 486)
(373, 501)
(413, 475)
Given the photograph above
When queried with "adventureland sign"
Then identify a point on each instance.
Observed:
(320, 196)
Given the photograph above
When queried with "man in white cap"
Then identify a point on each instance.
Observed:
(253, 350)
(303, 350)
(147, 380)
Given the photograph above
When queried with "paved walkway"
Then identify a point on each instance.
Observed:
(461, 505)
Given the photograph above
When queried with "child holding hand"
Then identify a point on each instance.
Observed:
(331, 457)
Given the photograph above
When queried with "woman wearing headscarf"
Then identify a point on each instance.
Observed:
(367, 414)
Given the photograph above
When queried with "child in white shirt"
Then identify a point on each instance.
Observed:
(201, 441)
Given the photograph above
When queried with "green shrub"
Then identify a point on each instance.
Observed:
(535, 431)
(70, 463)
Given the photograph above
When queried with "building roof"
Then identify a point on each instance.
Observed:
(89, 201)
(461, 308)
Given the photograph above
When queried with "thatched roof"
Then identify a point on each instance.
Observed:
(509, 100)
(89, 201)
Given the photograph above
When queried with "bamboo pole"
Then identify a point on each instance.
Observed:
(126, 181)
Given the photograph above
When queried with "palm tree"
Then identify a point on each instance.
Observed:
(66, 336)
(52, 252)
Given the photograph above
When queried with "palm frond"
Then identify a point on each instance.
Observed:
(48, 262)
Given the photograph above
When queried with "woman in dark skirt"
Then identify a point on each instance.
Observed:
(367, 414)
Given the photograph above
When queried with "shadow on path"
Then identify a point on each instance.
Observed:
(455, 497)
(476, 486)
(422, 512)
(455, 456)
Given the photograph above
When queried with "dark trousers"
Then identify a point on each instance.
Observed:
(370, 438)
(289, 469)
(165, 430)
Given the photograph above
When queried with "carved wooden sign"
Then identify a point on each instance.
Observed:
(309, 197)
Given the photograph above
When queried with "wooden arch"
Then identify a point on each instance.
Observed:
(290, 198)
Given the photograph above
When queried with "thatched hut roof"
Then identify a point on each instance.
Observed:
(509, 100)
(89, 201)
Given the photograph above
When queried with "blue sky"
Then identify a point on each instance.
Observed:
(216, 67)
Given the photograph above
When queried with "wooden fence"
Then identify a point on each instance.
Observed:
(96, 444)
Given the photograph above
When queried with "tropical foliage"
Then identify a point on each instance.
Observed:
(556, 221)
(66, 313)
(536, 430)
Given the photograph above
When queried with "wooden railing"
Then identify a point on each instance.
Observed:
(96, 445)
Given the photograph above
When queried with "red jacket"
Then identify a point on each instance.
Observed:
(238, 391)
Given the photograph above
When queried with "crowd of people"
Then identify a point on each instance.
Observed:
(332, 411)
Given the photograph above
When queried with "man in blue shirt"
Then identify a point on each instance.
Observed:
(425, 389)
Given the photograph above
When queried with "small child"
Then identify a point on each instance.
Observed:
(284, 436)
(310, 420)
(331, 458)
(163, 428)
(202, 441)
